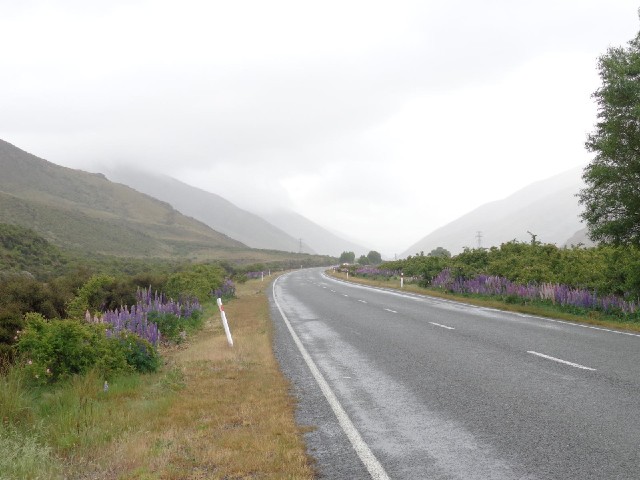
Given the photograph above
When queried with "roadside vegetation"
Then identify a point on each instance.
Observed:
(116, 369)
(598, 285)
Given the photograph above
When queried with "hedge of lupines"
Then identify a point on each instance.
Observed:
(376, 272)
(226, 290)
(135, 319)
(555, 293)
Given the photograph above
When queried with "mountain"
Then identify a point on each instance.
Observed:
(314, 235)
(581, 237)
(548, 209)
(211, 209)
(84, 211)
(281, 230)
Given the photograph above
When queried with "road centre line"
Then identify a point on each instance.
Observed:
(442, 326)
(362, 301)
(375, 468)
(571, 364)
(389, 310)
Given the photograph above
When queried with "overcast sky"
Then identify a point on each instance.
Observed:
(381, 120)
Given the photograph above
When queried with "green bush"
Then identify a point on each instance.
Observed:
(175, 328)
(195, 281)
(91, 296)
(54, 350)
(139, 353)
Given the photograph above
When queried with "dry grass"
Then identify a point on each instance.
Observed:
(233, 418)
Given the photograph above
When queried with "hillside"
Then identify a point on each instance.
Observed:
(281, 230)
(549, 209)
(75, 209)
(211, 209)
(22, 250)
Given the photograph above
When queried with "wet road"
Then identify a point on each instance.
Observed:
(408, 387)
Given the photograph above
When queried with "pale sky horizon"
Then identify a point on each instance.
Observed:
(380, 120)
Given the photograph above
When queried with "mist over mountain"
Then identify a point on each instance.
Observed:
(211, 209)
(280, 230)
(548, 209)
(316, 236)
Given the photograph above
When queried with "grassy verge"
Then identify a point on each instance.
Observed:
(592, 318)
(213, 412)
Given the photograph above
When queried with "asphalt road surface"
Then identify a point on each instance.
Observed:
(401, 386)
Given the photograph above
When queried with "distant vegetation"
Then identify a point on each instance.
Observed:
(372, 258)
(604, 278)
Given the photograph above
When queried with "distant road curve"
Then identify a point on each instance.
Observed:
(414, 387)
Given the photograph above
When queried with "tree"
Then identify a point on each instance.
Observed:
(347, 257)
(363, 260)
(612, 193)
(374, 257)
(440, 252)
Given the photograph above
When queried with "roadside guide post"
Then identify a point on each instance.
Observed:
(224, 323)
(401, 280)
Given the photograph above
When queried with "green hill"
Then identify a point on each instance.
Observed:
(23, 250)
(83, 211)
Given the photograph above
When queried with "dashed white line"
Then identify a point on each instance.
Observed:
(345, 295)
(389, 310)
(442, 326)
(548, 357)
(375, 468)
(362, 301)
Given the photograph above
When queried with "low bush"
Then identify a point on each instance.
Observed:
(139, 353)
(54, 350)
(175, 328)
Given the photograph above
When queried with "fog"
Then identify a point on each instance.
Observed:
(380, 120)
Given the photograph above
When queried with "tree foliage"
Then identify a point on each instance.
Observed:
(607, 269)
(612, 194)
(347, 257)
(374, 258)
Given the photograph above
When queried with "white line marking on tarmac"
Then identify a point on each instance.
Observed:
(389, 310)
(375, 468)
(423, 297)
(576, 365)
(362, 301)
(442, 326)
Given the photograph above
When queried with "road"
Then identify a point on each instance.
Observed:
(423, 388)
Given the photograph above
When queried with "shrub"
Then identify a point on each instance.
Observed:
(140, 354)
(173, 327)
(59, 349)
(197, 280)
(91, 296)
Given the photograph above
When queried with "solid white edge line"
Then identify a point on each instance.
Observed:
(548, 357)
(375, 468)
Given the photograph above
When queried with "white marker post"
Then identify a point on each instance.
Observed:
(224, 323)
(262, 276)
(401, 280)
